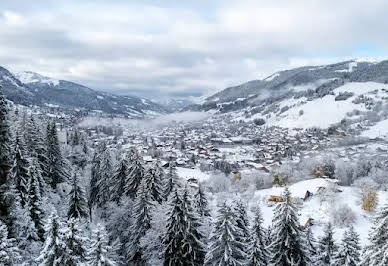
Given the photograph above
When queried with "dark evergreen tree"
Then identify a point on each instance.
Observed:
(101, 179)
(327, 247)
(348, 253)
(5, 158)
(172, 181)
(375, 252)
(56, 166)
(311, 245)
(142, 222)
(135, 176)
(153, 181)
(54, 249)
(201, 202)
(118, 180)
(78, 207)
(175, 235)
(287, 244)
(242, 220)
(75, 243)
(20, 169)
(193, 247)
(224, 248)
(35, 200)
(35, 141)
(95, 177)
(258, 254)
(183, 240)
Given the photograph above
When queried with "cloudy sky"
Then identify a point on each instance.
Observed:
(184, 48)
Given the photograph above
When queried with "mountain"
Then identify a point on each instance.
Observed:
(29, 88)
(305, 96)
(175, 105)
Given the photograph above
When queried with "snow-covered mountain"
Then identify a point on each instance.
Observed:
(306, 96)
(29, 88)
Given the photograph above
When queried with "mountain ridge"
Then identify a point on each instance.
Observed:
(30, 88)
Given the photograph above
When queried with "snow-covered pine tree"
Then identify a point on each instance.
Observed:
(53, 252)
(9, 252)
(153, 182)
(172, 180)
(242, 220)
(118, 180)
(23, 229)
(20, 168)
(176, 230)
(5, 157)
(142, 223)
(95, 176)
(75, 243)
(78, 207)
(135, 176)
(287, 244)
(105, 181)
(257, 253)
(101, 179)
(201, 202)
(348, 253)
(56, 166)
(375, 252)
(101, 252)
(311, 246)
(34, 203)
(193, 248)
(224, 248)
(36, 145)
(327, 247)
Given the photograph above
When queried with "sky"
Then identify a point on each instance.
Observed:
(193, 48)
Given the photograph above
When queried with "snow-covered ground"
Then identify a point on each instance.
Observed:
(379, 130)
(320, 210)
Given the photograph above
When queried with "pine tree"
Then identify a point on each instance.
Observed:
(172, 180)
(327, 247)
(36, 145)
(100, 182)
(311, 245)
(287, 245)
(105, 178)
(101, 253)
(175, 235)
(9, 252)
(153, 181)
(375, 253)
(20, 169)
(348, 253)
(56, 166)
(5, 157)
(142, 223)
(224, 248)
(194, 248)
(35, 200)
(242, 220)
(258, 254)
(202, 203)
(75, 243)
(118, 180)
(54, 249)
(78, 207)
(95, 177)
(135, 176)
